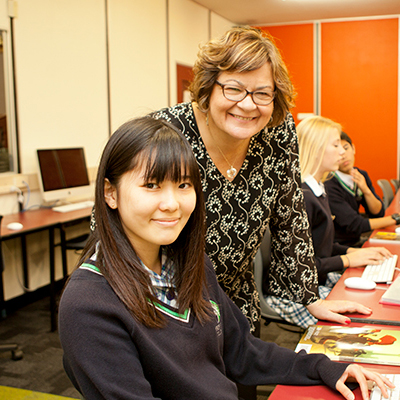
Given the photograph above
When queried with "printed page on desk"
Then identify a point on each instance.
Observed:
(392, 295)
(385, 237)
(353, 344)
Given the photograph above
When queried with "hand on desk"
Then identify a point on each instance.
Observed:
(365, 256)
(360, 374)
(330, 310)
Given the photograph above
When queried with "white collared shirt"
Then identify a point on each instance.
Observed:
(318, 188)
(346, 178)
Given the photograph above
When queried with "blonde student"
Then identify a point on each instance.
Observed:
(143, 317)
(320, 153)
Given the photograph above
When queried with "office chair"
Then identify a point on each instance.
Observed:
(396, 184)
(76, 244)
(387, 190)
(261, 263)
(16, 352)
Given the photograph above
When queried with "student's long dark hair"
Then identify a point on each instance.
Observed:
(163, 151)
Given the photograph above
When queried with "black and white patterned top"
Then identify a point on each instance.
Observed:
(266, 191)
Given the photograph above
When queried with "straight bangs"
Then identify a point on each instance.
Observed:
(167, 157)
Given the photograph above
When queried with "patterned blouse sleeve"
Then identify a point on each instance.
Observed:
(293, 274)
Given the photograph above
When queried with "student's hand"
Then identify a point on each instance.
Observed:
(359, 180)
(330, 310)
(367, 255)
(357, 373)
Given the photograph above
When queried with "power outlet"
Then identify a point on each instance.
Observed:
(18, 181)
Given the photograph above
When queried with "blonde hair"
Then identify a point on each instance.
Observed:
(313, 133)
(241, 49)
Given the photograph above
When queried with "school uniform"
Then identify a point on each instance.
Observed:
(345, 200)
(109, 355)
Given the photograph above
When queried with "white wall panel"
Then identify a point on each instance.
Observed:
(138, 58)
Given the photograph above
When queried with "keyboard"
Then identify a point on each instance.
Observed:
(394, 394)
(73, 206)
(381, 273)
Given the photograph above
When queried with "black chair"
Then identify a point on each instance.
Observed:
(16, 352)
(387, 190)
(261, 263)
(396, 184)
(78, 243)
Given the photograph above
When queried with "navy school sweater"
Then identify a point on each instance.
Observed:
(109, 355)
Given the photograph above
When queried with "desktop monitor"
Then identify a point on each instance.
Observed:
(63, 174)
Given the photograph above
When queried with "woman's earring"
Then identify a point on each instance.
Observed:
(207, 119)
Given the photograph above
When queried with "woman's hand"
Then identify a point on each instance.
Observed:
(329, 310)
(367, 255)
(357, 373)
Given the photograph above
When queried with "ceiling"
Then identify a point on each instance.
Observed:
(265, 12)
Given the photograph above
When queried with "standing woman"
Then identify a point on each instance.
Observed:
(320, 152)
(244, 139)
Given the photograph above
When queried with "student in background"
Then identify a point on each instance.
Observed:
(350, 188)
(144, 317)
(320, 152)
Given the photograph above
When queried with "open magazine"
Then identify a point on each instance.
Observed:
(384, 237)
(353, 344)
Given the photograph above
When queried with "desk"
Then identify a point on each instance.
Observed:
(36, 221)
(370, 298)
(380, 312)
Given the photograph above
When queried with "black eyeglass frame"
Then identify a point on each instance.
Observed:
(247, 93)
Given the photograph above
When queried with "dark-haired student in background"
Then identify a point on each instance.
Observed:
(347, 190)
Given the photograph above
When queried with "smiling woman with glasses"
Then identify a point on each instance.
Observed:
(244, 139)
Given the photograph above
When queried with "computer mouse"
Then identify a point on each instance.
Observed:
(397, 230)
(356, 282)
(14, 226)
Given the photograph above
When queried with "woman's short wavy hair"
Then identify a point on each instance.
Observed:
(242, 49)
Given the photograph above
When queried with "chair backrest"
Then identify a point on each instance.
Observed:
(387, 190)
(396, 184)
(261, 263)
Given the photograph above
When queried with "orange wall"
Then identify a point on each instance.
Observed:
(296, 45)
(359, 84)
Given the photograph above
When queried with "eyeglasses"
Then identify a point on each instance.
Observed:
(236, 93)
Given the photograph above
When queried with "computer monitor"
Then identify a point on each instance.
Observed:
(63, 174)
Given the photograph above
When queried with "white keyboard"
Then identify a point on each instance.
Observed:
(73, 206)
(394, 394)
(381, 273)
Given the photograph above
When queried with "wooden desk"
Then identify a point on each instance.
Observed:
(370, 298)
(36, 221)
(381, 313)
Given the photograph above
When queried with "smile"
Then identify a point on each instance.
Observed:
(243, 118)
(166, 222)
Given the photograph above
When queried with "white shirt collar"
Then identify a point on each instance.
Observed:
(318, 188)
(346, 178)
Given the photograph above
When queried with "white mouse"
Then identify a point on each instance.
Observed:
(14, 226)
(397, 230)
(356, 282)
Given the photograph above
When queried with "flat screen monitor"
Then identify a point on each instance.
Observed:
(63, 174)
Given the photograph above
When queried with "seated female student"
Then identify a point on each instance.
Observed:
(143, 316)
(320, 153)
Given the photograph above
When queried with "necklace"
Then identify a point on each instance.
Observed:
(232, 171)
